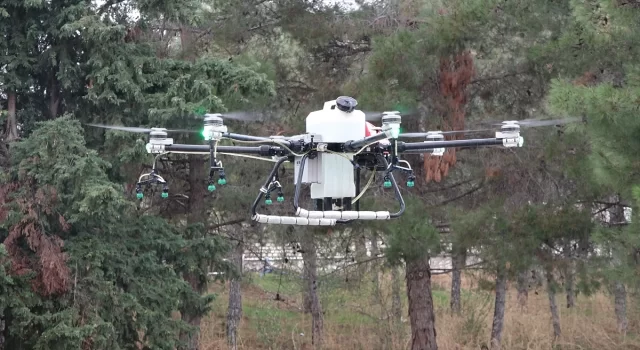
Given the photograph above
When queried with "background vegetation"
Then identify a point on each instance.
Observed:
(542, 239)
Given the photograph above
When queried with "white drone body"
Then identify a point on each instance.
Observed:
(331, 175)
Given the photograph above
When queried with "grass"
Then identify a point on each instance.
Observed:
(355, 317)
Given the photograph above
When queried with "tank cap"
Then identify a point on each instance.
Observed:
(346, 104)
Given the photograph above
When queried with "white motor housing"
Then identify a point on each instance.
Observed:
(332, 175)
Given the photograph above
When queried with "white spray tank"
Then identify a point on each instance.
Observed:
(338, 121)
(332, 175)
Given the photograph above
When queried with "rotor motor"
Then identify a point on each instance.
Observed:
(436, 136)
(158, 136)
(391, 124)
(510, 134)
(213, 127)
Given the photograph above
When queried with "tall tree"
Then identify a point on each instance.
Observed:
(597, 78)
(112, 286)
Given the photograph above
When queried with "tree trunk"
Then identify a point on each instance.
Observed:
(311, 272)
(421, 315)
(375, 250)
(523, 289)
(553, 306)
(458, 262)
(197, 214)
(361, 245)
(619, 291)
(583, 254)
(54, 97)
(570, 285)
(396, 301)
(2, 327)
(620, 298)
(361, 256)
(498, 311)
(234, 311)
(11, 131)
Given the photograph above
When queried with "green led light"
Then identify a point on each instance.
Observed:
(280, 199)
(410, 183)
(268, 201)
(211, 188)
(222, 181)
(139, 195)
(387, 184)
(206, 132)
(165, 195)
(200, 111)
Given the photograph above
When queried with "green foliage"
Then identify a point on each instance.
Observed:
(612, 128)
(412, 238)
(125, 267)
(597, 79)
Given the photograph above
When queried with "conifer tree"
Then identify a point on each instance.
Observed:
(597, 79)
(113, 283)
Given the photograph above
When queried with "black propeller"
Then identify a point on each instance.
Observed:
(140, 129)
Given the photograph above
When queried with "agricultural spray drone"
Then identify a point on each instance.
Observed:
(339, 141)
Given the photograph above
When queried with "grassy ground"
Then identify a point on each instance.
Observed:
(356, 317)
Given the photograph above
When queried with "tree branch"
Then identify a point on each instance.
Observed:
(226, 223)
(475, 189)
(496, 77)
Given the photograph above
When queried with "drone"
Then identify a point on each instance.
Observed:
(339, 142)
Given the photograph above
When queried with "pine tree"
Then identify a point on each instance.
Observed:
(597, 78)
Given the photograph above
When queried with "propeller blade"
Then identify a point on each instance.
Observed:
(138, 129)
(183, 130)
(247, 116)
(122, 128)
(538, 122)
(425, 134)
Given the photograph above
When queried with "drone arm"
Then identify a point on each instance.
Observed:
(249, 138)
(264, 150)
(417, 147)
(356, 145)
